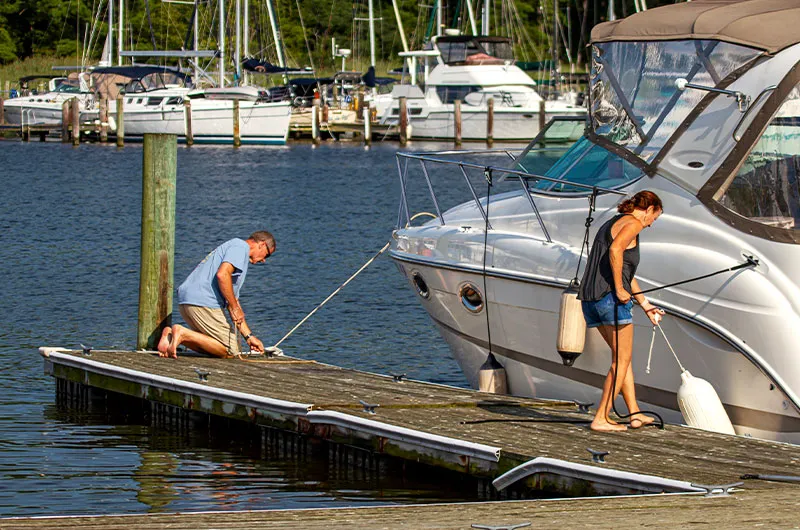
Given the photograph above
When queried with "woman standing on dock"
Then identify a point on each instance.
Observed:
(607, 302)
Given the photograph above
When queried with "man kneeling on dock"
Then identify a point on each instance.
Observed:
(211, 287)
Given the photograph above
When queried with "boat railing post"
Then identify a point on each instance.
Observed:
(159, 169)
(403, 197)
(542, 117)
(103, 115)
(75, 114)
(367, 126)
(65, 121)
(187, 104)
(403, 120)
(490, 122)
(433, 194)
(120, 121)
(237, 139)
(457, 124)
(315, 122)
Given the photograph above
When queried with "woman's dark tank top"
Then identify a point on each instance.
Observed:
(598, 280)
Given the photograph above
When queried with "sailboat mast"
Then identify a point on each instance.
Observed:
(246, 36)
(237, 60)
(438, 17)
(277, 38)
(110, 32)
(221, 43)
(371, 34)
(554, 69)
(471, 14)
(120, 35)
(487, 8)
(196, 42)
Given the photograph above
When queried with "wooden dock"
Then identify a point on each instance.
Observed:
(447, 428)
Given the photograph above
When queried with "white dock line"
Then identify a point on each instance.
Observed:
(376, 428)
(612, 477)
(403, 434)
(239, 398)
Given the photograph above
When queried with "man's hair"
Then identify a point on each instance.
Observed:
(263, 235)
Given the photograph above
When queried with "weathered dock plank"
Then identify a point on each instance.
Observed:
(453, 428)
(743, 509)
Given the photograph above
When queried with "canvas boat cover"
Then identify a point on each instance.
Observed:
(769, 25)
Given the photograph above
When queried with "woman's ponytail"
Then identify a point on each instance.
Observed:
(641, 201)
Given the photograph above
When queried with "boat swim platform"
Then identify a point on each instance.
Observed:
(455, 429)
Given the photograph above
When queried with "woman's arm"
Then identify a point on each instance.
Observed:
(622, 240)
(653, 313)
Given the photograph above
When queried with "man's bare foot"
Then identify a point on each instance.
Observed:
(163, 344)
(177, 335)
(604, 426)
(640, 420)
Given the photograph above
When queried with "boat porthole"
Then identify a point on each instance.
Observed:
(420, 285)
(471, 298)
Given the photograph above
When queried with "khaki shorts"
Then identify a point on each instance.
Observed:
(211, 321)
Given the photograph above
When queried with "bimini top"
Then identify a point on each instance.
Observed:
(769, 25)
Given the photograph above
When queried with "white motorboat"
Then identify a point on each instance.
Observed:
(472, 69)
(697, 102)
(154, 102)
(46, 108)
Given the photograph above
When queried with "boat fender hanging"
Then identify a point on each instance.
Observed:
(492, 377)
(701, 406)
(571, 325)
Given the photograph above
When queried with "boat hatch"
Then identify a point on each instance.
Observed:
(634, 101)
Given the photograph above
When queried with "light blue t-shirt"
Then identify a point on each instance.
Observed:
(201, 287)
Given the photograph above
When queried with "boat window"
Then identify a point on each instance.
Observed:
(450, 93)
(458, 51)
(634, 100)
(139, 101)
(501, 49)
(174, 100)
(766, 189)
(584, 163)
(154, 102)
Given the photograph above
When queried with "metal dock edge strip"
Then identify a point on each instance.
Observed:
(563, 468)
(424, 439)
(431, 441)
(239, 398)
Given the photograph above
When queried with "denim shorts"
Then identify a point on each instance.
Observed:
(601, 312)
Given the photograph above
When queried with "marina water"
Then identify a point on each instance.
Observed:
(70, 224)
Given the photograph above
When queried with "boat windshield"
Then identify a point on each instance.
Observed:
(634, 100)
(584, 163)
(766, 189)
(475, 50)
(68, 88)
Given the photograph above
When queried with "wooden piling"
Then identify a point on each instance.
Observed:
(2, 111)
(315, 122)
(65, 121)
(403, 121)
(325, 113)
(237, 139)
(457, 120)
(490, 122)
(75, 114)
(542, 115)
(120, 121)
(159, 169)
(187, 104)
(359, 103)
(103, 115)
(367, 126)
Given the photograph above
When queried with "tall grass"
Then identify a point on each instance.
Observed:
(42, 65)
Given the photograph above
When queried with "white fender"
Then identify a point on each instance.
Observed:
(701, 406)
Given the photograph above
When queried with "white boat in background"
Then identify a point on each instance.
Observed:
(46, 108)
(473, 69)
(155, 102)
(709, 122)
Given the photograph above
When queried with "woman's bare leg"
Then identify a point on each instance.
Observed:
(628, 389)
(622, 366)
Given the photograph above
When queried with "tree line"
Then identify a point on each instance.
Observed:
(77, 28)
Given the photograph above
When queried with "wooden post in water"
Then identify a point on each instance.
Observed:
(120, 121)
(159, 169)
(457, 124)
(2, 111)
(490, 122)
(325, 113)
(367, 126)
(359, 103)
(403, 121)
(103, 114)
(65, 121)
(542, 116)
(315, 122)
(75, 114)
(237, 138)
(187, 103)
